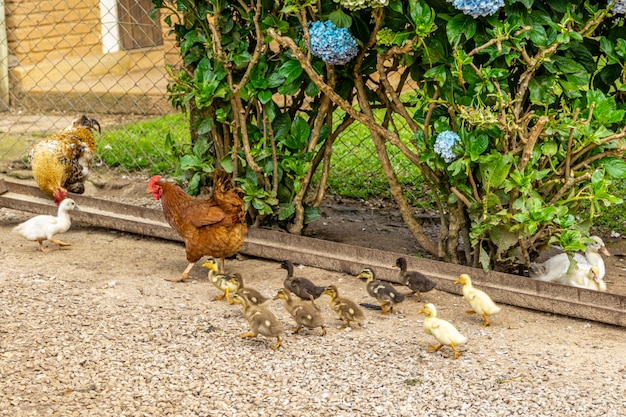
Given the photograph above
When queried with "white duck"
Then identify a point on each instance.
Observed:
(44, 227)
(557, 268)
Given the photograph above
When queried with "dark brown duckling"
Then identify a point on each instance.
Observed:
(382, 291)
(302, 287)
(416, 281)
(305, 313)
(346, 309)
(261, 320)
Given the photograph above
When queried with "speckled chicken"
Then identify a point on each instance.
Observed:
(61, 162)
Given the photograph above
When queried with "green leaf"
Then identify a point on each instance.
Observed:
(494, 169)
(567, 65)
(285, 211)
(538, 35)
(478, 145)
(290, 70)
(614, 167)
(458, 26)
(438, 74)
(265, 96)
(549, 148)
(188, 162)
(311, 214)
(340, 19)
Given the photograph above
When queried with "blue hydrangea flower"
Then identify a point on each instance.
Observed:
(619, 7)
(335, 46)
(444, 144)
(476, 8)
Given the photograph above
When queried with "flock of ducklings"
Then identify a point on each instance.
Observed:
(299, 295)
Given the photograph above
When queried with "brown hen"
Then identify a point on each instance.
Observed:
(61, 162)
(210, 227)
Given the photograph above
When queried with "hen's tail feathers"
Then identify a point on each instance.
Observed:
(221, 180)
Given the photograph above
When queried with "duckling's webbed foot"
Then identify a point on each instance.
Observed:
(278, 344)
(435, 348)
(386, 308)
(60, 243)
(249, 334)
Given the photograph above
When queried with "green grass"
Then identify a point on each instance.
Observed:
(143, 145)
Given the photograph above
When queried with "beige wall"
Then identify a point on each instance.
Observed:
(52, 29)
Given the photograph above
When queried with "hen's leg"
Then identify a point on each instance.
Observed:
(185, 274)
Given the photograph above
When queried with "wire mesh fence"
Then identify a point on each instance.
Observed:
(108, 59)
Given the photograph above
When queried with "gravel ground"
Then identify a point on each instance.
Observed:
(95, 330)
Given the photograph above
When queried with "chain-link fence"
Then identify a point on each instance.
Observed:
(108, 59)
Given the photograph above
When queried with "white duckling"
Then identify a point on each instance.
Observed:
(44, 227)
(480, 302)
(589, 279)
(442, 330)
(559, 266)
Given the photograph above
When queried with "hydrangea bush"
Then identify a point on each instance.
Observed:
(534, 88)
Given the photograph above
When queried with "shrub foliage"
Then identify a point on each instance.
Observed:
(515, 109)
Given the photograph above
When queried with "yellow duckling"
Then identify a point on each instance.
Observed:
(480, 302)
(305, 313)
(226, 283)
(261, 320)
(384, 292)
(442, 330)
(346, 309)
